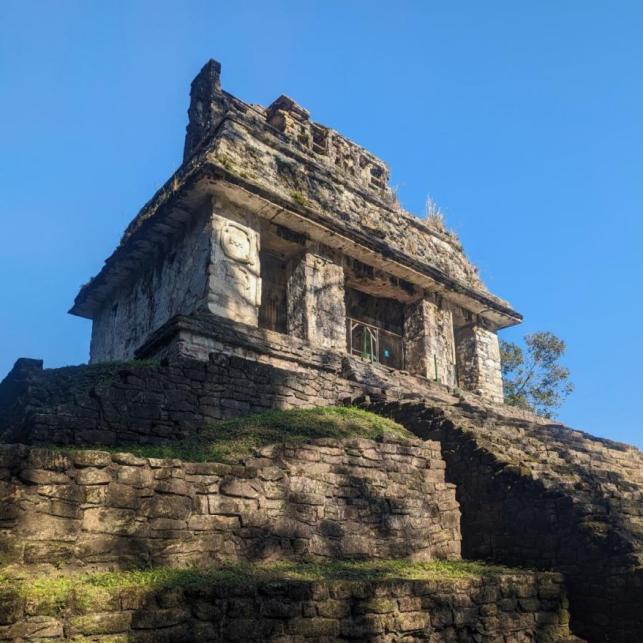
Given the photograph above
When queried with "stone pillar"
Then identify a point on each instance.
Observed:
(234, 280)
(478, 356)
(428, 342)
(316, 306)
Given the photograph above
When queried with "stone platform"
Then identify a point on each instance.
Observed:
(328, 499)
(495, 607)
(532, 492)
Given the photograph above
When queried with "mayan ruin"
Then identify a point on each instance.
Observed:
(292, 416)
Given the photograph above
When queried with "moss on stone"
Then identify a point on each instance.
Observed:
(85, 592)
(229, 441)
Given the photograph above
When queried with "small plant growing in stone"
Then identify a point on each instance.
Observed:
(299, 198)
(433, 215)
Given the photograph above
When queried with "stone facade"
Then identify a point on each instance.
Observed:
(515, 608)
(269, 187)
(172, 285)
(328, 499)
(316, 308)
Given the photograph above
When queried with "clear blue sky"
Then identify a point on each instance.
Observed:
(523, 120)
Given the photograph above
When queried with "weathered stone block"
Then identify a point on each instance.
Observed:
(111, 521)
(159, 618)
(166, 506)
(66, 492)
(11, 606)
(88, 458)
(174, 486)
(36, 627)
(136, 476)
(239, 488)
(43, 476)
(93, 475)
(43, 527)
(122, 496)
(100, 623)
(217, 523)
(313, 627)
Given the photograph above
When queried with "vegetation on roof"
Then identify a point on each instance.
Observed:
(228, 441)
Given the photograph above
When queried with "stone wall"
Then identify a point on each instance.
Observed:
(512, 608)
(539, 494)
(174, 283)
(532, 492)
(325, 499)
(156, 403)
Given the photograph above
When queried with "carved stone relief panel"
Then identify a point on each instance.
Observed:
(243, 283)
(236, 242)
(235, 279)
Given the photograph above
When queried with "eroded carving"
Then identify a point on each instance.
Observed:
(236, 243)
(243, 283)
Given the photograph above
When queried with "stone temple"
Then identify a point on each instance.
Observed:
(273, 277)
(278, 223)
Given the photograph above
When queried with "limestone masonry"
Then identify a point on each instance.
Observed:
(280, 223)
(360, 499)
(275, 270)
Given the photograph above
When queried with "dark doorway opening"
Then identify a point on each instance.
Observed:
(273, 311)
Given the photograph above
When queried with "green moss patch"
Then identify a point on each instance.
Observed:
(229, 441)
(86, 592)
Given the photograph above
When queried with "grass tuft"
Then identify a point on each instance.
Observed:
(299, 198)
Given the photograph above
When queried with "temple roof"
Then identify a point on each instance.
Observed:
(283, 166)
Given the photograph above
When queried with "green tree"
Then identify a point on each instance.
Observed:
(534, 378)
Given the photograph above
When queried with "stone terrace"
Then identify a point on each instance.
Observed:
(329, 499)
(531, 492)
(512, 608)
